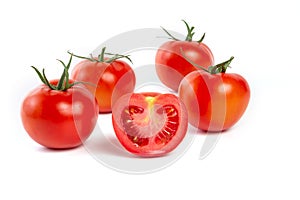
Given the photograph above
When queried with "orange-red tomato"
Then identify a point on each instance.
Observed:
(171, 66)
(59, 119)
(215, 102)
(107, 81)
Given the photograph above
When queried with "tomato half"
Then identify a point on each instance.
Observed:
(59, 119)
(149, 124)
(171, 66)
(215, 102)
(107, 80)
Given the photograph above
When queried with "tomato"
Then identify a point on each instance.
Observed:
(59, 114)
(215, 100)
(109, 78)
(171, 66)
(149, 124)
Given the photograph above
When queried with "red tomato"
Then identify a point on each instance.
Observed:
(60, 113)
(149, 124)
(109, 79)
(59, 119)
(171, 66)
(215, 102)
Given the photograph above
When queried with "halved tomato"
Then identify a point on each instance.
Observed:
(149, 124)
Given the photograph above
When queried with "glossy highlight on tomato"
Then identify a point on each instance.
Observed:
(59, 114)
(59, 119)
(149, 124)
(107, 78)
(171, 66)
(215, 100)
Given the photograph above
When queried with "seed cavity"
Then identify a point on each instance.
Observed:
(170, 129)
(169, 121)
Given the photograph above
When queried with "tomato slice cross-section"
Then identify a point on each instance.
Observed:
(149, 124)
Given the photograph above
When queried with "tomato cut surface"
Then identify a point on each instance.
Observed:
(149, 124)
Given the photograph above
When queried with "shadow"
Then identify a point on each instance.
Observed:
(196, 131)
(110, 146)
(54, 150)
(107, 145)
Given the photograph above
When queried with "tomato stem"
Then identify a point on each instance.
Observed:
(202, 38)
(169, 34)
(189, 36)
(219, 68)
(101, 57)
(63, 83)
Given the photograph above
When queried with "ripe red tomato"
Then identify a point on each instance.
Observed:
(149, 124)
(215, 100)
(109, 78)
(60, 116)
(171, 66)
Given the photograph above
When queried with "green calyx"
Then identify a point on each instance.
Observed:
(219, 68)
(101, 57)
(63, 83)
(189, 36)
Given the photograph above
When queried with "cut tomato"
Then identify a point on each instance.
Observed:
(149, 124)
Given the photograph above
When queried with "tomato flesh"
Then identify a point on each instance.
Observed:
(150, 125)
(164, 123)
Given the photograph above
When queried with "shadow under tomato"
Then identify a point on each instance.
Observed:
(196, 131)
(107, 145)
(54, 150)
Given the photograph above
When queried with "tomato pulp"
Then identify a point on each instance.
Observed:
(149, 124)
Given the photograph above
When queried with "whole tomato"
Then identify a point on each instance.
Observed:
(171, 66)
(149, 124)
(60, 113)
(107, 78)
(215, 100)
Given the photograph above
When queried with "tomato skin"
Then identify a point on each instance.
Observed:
(171, 66)
(111, 80)
(59, 119)
(149, 140)
(214, 102)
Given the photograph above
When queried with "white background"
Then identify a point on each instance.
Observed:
(258, 158)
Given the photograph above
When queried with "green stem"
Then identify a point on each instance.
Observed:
(63, 83)
(189, 36)
(219, 68)
(39, 74)
(169, 34)
(47, 82)
(201, 39)
(193, 63)
(101, 57)
(190, 33)
(82, 57)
